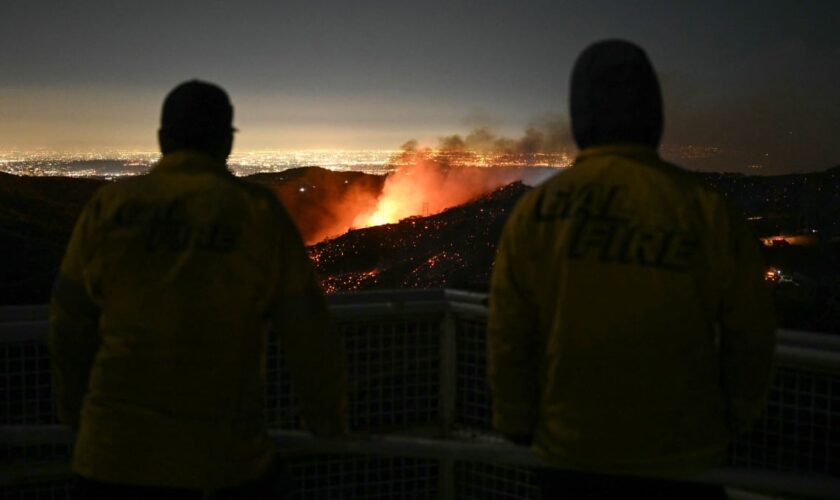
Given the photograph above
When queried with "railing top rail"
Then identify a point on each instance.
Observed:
(408, 294)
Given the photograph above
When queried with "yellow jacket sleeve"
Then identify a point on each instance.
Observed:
(314, 349)
(512, 341)
(73, 337)
(747, 323)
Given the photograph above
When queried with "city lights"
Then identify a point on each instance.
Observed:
(115, 164)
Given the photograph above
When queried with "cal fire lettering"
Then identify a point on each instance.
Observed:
(564, 204)
(603, 230)
(167, 230)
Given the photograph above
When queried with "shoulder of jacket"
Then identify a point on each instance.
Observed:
(265, 201)
(526, 202)
(683, 175)
(117, 189)
(261, 196)
(693, 181)
(126, 185)
(526, 205)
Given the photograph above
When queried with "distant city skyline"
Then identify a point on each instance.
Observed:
(749, 86)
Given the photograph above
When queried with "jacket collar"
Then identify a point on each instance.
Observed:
(631, 150)
(185, 160)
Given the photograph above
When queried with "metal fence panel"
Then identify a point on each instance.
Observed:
(26, 387)
(473, 394)
(396, 352)
(367, 477)
(494, 482)
(47, 490)
(800, 429)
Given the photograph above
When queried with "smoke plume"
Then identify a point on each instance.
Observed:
(551, 135)
(429, 181)
(423, 181)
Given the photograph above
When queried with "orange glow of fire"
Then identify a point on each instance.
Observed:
(423, 184)
(426, 188)
(387, 211)
(795, 240)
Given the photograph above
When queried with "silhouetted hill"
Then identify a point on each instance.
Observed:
(785, 203)
(454, 248)
(36, 217)
(835, 170)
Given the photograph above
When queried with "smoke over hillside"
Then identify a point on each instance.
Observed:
(423, 181)
(427, 183)
(551, 135)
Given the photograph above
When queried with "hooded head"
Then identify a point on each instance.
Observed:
(197, 115)
(615, 96)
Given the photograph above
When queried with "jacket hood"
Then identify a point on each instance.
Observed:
(615, 96)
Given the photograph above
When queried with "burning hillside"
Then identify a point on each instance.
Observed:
(452, 249)
(422, 181)
(327, 204)
(426, 187)
(428, 181)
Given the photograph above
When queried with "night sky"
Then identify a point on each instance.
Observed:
(758, 81)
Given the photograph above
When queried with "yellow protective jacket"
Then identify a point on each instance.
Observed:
(630, 330)
(159, 323)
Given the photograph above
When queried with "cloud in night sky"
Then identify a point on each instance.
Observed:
(752, 79)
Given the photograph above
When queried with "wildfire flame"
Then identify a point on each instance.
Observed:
(326, 204)
(426, 187)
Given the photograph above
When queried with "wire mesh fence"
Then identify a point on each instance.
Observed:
(397, 361)
(800, 428)
(799, 431)
(393, 367)
(317, 477)
(476, 481)
(59, 489)
(364, 477)
(26, 388)
(473, 394)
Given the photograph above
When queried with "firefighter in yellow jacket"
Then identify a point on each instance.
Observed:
(630, 330)
(160, 318)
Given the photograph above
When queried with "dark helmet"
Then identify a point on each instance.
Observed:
(197, 115)
(615, 96)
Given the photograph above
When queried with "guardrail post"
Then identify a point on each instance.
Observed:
(448, 358)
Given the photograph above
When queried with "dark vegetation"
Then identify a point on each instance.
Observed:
(36, 217)
(454, 248)
(786, 203)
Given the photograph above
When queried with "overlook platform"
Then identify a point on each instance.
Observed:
(420, 411)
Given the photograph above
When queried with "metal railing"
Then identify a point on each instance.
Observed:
(420, 411)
